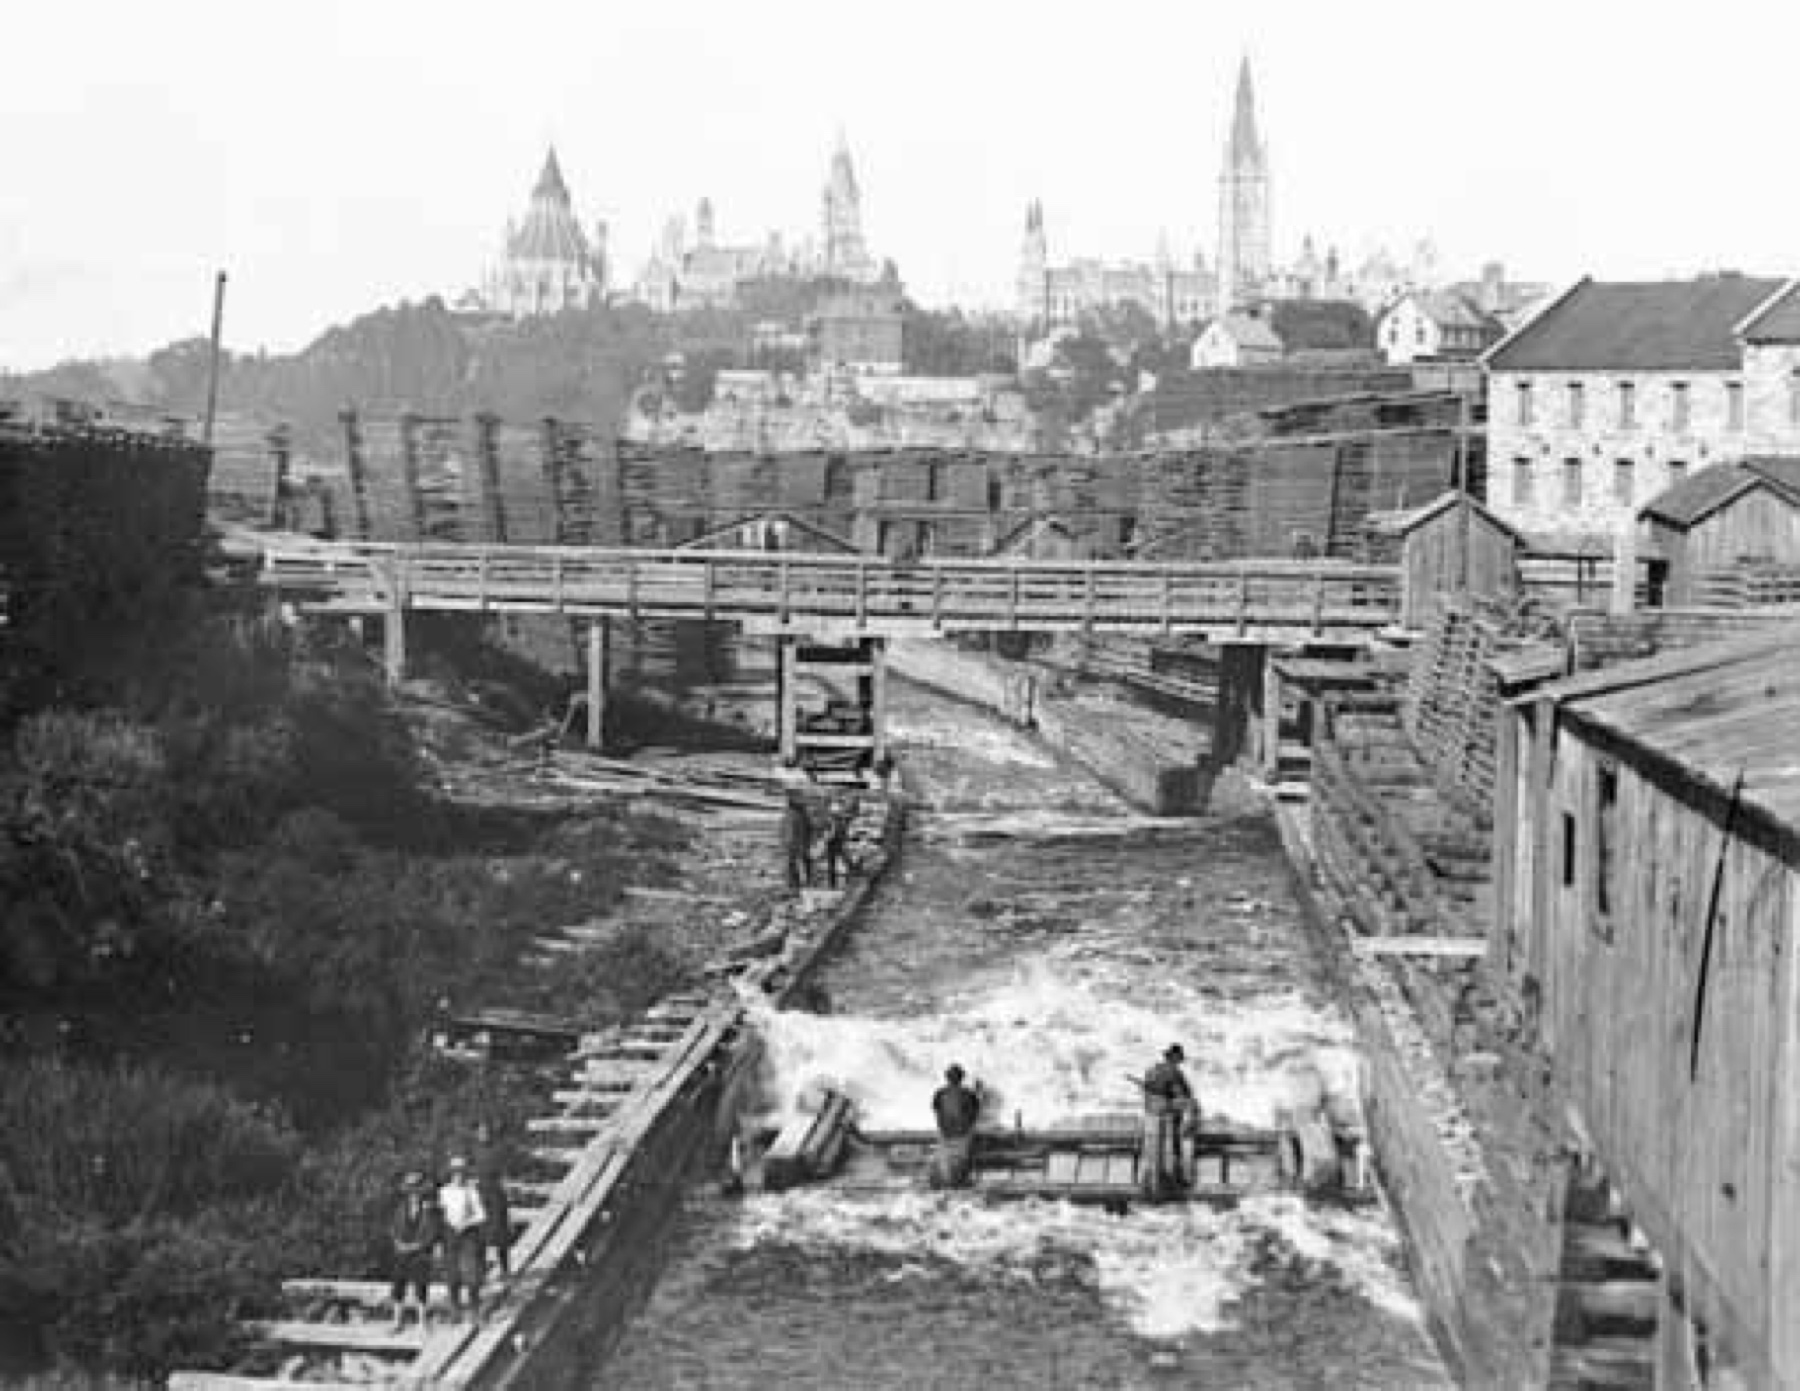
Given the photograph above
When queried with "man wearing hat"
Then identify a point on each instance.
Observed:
(957, 1108)
(412, 1233)
(1168, 1103)
(465, 1237)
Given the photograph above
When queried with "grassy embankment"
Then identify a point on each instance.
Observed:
(231, 913)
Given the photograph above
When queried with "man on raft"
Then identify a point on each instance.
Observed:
(1170, 1110)
(957, 1108)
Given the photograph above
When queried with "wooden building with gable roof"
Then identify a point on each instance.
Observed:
(1708, 526)
(1647, 863)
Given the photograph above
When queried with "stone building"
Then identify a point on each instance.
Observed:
(1618, 390)
(1244, 221)
(548, 264)
(1053, 296)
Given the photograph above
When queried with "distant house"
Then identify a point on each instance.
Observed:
(1706, 528)
(1236, 340)
(1434, 326)
(862, 331)
(1618, 390)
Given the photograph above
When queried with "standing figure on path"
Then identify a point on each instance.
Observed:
(957, 1108)
(412, 1233)
(1168, 1105)
(490, 1184)
(838, 820)
(796, 840)
(465, 1237)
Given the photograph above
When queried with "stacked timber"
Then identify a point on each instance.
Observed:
(810, 1146)
(1453, 697)
(1748, 584)
(249, 468)
(1156, 763)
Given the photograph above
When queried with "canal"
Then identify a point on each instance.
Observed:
(1053, 943)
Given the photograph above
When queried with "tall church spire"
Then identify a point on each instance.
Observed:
(845, 254)
(1244, 232)
(1245, 146)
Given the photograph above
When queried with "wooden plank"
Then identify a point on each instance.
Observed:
(228, 1381)
(367, 1293)
(374, 1337)
(1462, 948)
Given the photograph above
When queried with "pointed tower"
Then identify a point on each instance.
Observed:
(703, 225)
(548, 265)
(844, 254)
(1243, 203)
(1034, 267)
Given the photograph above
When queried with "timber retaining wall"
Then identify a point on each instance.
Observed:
(563, 1338)
(1154, 762)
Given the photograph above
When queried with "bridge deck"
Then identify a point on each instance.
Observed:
(791, 592)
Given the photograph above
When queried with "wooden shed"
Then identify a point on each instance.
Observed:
(1647, 862)
(1451, 545)
(1710, 527)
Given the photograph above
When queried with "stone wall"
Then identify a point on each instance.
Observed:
(1652, 440)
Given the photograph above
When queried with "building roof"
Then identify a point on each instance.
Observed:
(1777, 321)
(1700, 720)
(804, 535)
(1249, 331)
(550, 231)
(1404, 523)
(1448, 309)
(1657, 325)
(1783, 470)
(1699, 496)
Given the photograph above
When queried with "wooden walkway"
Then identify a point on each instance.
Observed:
(823, 595)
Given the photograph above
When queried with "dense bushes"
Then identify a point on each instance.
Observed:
(231, 877)
(134, 1211)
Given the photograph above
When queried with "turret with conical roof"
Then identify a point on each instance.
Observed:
(548, 264)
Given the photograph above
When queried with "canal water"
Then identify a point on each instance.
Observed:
(1053, 943)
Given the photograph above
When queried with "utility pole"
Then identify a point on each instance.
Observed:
(212, 373)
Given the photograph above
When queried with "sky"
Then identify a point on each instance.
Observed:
(335, 156)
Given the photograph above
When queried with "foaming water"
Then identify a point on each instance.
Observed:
(1052, 944)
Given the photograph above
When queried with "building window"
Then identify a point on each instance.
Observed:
(1624, 482)
(1525, 403)
(1734, 405)
(1606, 790)
(1677, 471)
(1577, 405)
(1521, 482)
(1627, 406)
(1571, 482)
(1678, 394)
(1568, 850)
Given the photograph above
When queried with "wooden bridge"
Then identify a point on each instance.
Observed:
(791, 593)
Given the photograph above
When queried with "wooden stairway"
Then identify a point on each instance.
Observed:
(1608, 1300)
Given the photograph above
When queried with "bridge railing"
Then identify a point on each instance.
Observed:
(780, 586)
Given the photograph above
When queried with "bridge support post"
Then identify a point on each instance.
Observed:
(1240, 692)
(787, 697)
(599, 636)
(876, 702)
(393, 643)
